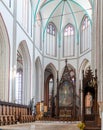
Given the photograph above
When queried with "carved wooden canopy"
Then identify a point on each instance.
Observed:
(66, 76)
(90, 90)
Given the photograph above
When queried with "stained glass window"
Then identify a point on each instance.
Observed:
(19, 79)
(69, 41)
(85, 35)
(51, 40)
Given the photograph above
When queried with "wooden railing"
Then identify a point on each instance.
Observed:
(11, 113)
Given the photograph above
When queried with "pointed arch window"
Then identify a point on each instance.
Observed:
(19, 79)
(51, 40)
(69, 41)
(85, 37)
(50, 91)
(19, 84)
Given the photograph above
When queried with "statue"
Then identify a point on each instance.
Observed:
(88, 103)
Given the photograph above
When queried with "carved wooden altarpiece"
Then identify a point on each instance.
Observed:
(66, 96)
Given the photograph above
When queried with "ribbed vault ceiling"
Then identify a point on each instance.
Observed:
(62, 12)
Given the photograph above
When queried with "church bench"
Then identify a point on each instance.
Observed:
(11, 113)
(27, 118)
(1, 120)
(12, 119)
(7, 120)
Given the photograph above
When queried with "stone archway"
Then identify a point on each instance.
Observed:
(84, 65)
(4, 61)
(49, 88)
(26, 71)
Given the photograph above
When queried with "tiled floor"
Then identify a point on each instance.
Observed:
(38, 125)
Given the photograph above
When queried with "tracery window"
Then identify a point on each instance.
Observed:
(19, 82)
(19, 79)
(51, 40)
(50, 91)
(85, 35)
(69, 41)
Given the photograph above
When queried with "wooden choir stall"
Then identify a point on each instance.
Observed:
(11, 113)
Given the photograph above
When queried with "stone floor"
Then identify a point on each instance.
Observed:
(43, 125)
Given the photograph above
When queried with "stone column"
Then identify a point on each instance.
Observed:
(14, 52)
(101, 113)
(94, 36)
(97, 44)
(43, 68)
(33, 92)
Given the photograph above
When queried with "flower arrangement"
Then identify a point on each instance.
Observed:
(81, 125)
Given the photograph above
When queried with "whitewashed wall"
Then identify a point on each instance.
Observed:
(33, 44)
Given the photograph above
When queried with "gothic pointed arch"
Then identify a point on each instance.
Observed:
(23, 84)
(52, 68)
(85, 64)
(49, 87)
(4, 61)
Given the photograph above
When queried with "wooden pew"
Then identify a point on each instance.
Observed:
(11, 113)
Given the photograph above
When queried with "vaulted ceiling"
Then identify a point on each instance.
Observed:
(62, 12)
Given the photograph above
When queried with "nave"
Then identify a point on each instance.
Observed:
(51, 63)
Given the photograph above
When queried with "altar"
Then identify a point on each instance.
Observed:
(66, 96)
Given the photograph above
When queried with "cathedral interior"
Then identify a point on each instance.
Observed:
(51, 64)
